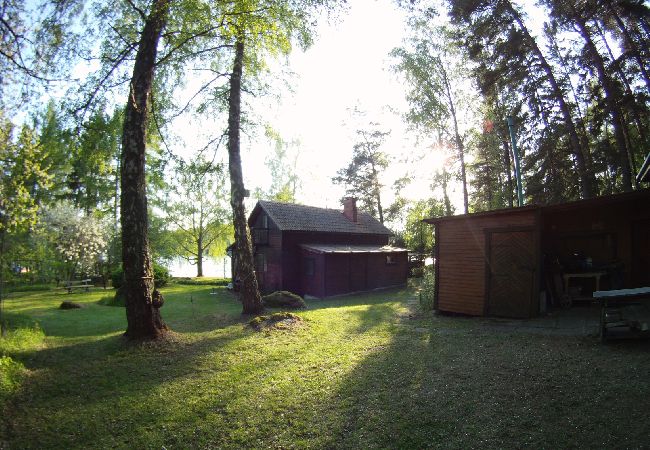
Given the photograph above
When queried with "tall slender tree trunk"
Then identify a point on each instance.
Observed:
(630, 102)
(249, 292)
(612, 101)
(445, 194)
(631, 44)
(460, 147)
(199, 257)
(380, 210)
(581, 154)
(377, 193)
(507, 162)
(142, 302)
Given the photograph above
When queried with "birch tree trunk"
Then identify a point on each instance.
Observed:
(142, 301)
(245, 270)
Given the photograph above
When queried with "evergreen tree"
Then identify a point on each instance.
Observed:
(362, 176)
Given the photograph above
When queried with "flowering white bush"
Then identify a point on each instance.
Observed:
(78, 239)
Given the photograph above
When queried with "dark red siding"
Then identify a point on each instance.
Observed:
(343, 273)
(313, 284)
(334, 274)
(292, 253)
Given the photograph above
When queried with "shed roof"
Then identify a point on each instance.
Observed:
(292, 217)
(342, 248)
(604, 201)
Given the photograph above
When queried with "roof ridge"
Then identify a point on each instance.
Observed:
(296, 217)
(300, 205)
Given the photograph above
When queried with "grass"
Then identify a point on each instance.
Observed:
(358, 373)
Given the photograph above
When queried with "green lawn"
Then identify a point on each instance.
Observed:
(358, 373)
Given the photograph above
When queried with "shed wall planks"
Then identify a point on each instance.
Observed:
(462, 259)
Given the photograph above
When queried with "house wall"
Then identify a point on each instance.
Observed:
(314, 284)
(461, 258)
(342, 273)
(292, 253)
(381, 274)
(269, 280)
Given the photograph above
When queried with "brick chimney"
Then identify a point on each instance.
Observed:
(350, 208)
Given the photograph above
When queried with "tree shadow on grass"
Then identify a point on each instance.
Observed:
(430, 390)
(109, 392)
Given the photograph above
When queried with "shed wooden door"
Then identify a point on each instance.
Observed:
(511, 271)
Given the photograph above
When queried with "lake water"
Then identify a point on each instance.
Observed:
(212, 267)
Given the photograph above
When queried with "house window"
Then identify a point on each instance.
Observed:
(390, 260)
(310, 265)
(265, 221)
(260, 262)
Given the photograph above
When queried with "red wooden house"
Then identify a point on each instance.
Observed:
(323, 252)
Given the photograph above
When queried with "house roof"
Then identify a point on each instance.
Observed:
(292, 217)
(342, 248)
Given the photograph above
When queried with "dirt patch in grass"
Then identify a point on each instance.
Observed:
(276, 321)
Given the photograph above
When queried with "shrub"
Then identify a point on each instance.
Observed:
(427, 290)
(29, 287)
(160, 276)
(11, 374)
(283, 299)
(417, 272)
(117, 278)
(201, 281)
(28, 337)
(69, 305)
(113, 300)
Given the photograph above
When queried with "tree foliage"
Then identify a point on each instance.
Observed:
(22, 176)
(197, 211)
(363, 175)
(438, 89)
(79, 239)
(282, 165)
(578, 92)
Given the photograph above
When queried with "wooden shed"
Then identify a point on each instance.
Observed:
(514, 262)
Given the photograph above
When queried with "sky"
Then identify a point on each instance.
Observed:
(348, 66)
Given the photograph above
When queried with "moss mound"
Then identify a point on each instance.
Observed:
(70, 305)
(276, 321)
(283, 299)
